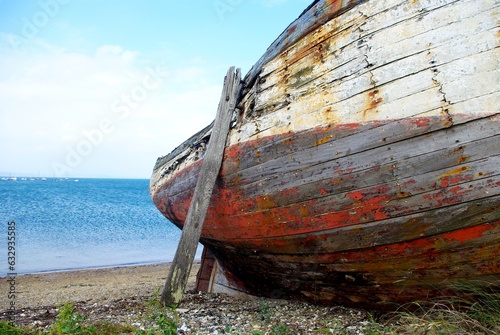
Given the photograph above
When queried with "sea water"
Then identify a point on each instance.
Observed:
(66, 224)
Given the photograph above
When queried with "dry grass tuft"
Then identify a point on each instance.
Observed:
(476, 312)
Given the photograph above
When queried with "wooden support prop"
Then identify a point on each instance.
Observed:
(191, 232)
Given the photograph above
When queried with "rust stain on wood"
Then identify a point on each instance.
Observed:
(454, 172)
(373, 100)
(324, 140)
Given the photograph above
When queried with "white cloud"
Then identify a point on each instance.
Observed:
(110, 79)
(116, 52)
(55, 101)
(109, 50)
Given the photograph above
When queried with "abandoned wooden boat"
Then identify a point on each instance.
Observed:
(362, 164)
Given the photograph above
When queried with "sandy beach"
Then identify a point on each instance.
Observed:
(125, 295)
(118, 294)
(91, 285)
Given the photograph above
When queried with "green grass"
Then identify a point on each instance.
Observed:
(8, 329)
(68, 321)
(485, 308)
(165, 325)
(265, 314)
(477, 313)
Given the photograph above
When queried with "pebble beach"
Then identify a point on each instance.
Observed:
(125, 294)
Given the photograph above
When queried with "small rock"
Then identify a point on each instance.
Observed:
(183, 329)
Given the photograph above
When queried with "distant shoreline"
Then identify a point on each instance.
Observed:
(91, 267)
(85, 268)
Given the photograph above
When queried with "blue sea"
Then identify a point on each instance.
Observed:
(66, 224)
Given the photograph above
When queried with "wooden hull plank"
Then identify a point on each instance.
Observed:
(427, 274)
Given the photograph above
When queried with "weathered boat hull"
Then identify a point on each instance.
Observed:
(362, 168)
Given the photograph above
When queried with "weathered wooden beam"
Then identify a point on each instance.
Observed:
(183, 260)
(315, 15)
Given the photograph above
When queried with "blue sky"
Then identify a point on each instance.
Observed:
(102, 88)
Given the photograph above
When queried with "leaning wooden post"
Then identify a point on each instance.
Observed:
(181, 267)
